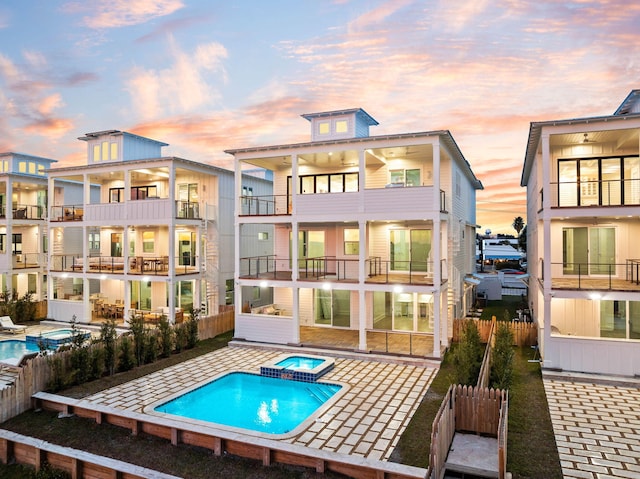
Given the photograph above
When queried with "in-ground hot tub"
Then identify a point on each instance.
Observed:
(298, 367)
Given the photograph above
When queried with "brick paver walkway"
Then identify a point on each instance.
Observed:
(366, 421)
(597, 428)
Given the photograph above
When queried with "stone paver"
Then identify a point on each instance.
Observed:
(355, 425)
(596, 426)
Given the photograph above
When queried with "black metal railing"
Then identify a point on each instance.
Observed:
(571, 194)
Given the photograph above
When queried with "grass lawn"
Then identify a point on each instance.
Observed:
(531, 449)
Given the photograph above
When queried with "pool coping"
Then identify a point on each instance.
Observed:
(150, 409)
(102, 412)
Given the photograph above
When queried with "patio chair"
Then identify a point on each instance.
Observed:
(6, 324)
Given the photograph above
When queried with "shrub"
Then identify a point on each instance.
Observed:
(182, 336)
(192, 328)
(467, 356)
(136, 325)
(151, 347)
(502, 358)
(126, 357)
(108, 337)
(166, 337)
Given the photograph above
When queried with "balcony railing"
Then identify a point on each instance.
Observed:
(571, 194)
(28, 260)
(25, 212)
(597, 276)
(268, 205)
(67, 213)
(187, 210)
(147, 265)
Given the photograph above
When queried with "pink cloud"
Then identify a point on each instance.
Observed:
(119, 13)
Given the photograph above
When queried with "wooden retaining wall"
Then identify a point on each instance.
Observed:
(268, 451)
(79, 464)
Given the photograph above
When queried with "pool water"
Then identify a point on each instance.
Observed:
(249, 401)
(15, 349)
(300, 362)
(56, 337)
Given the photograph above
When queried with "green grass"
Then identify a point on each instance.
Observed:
(531, 445)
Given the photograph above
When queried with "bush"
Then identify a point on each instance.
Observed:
(126, 357)
(192, 328)
(136, 325)
(182, 336)
(467, 356)
(166, 337)
(502, 358)
(108, 337)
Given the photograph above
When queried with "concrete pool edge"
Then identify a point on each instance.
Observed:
(312, 418)
(99, 411)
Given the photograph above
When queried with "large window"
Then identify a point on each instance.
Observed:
(599, 181)
(410, 177)
(351, 241)
(148, 241)
(327, 183)
(144, 192)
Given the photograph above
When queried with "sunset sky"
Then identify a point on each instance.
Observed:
(206, 75)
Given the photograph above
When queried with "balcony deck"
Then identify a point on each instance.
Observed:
(595, 284)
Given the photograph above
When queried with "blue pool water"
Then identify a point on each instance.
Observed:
(15, 349)
(300, 362)
(250, 401)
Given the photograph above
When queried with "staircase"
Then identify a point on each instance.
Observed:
(210, 263)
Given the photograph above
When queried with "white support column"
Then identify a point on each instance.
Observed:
(546, 232)
(295, 322)
(127, 301)
(440, 325)
(362, 310)
(237, 229)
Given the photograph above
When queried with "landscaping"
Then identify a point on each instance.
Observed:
(532, 451)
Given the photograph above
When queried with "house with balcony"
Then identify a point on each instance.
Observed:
(23, 224)
(135, 233)
(373, 237)
(583, 200)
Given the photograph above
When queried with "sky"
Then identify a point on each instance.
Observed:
(209, 75)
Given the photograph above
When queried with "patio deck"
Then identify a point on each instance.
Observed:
(392, 278)
(594, 284)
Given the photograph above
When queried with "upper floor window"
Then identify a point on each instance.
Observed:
(148, 241)
(247, 193)
(4, 166)
(116, 195)
(408, 177)
(324, 128)
(351, 241)
(144, 192)
(328, 183)
(342, 126)
(105, 151)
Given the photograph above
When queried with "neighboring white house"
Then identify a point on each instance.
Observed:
(135, 233)
(23, 224)
(371, 234)
(583, 201)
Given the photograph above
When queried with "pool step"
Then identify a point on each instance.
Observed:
(321, 395)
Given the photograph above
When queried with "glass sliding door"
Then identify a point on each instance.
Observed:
(611, 187)
(332, 308)
(420, 249)
(567, 183)
(588, 250)
(409, 249)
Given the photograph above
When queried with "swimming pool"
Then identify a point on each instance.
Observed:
(253, 402)
(12, 350)
(300, 362)
(56, 337)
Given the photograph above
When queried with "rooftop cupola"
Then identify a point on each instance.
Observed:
(340, 124)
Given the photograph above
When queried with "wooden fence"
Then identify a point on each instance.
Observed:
(477, 410)
(485, 367)
(36, 374)
(524, 334)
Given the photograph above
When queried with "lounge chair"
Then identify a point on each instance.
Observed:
(6, 324)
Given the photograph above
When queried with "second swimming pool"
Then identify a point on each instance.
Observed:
(249, 401)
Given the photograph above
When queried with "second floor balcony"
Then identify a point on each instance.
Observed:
(133, 265)
(590, 193)
(593, 276)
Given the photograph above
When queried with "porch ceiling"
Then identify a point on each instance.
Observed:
(621, 138)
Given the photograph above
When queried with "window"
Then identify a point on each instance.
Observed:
(32, 167)
(94, 242)
(351, 241)
(41, 170)
(105, 150)
(247, 193)
(116, 244)
(114, 151)
(16, 243)
(334, 183)
(263, 236)
(22, 167)
(116, 195)
(144, 192)
(342, 126)
(96, 153)
(4, 166)
(324, 128)
(458, 186)
(409, 177)
(148, 241)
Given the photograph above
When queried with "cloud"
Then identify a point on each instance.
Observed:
(185, 85)
(105, 14)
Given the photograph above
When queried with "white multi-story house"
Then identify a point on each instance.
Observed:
(135, 233)
(583, 200)
(23, 224)
(372, 238)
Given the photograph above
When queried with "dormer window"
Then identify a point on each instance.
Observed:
(324, 128)
(342, 126)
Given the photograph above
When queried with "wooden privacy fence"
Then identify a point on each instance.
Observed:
(477, 410)
(212, 326)
(524, 334)
(36, 374)
(485, 367)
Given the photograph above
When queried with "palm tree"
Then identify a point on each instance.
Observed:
(518, 224)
